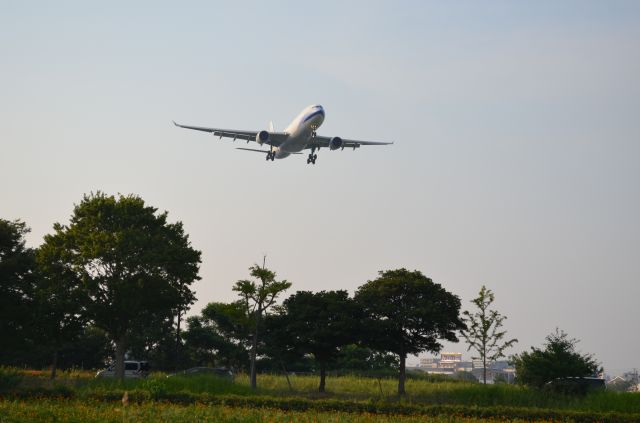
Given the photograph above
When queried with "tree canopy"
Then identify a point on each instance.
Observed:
(319, 323)
(407, 313)
(558, 359)
(257, 298)
(483, 332)
(135, 268)
(17, 266)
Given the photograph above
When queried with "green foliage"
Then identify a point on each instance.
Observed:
(355, 359)
(558, 359)
(469, 377)
(348, 394)
(17, 267)
(9, 379)
(98, 412)
(483, 332)
(317, 323)
(260, 296)
(135, 268)
(211, 340)
(257, 298)
(312, 410)
(89, 349)
(407, 313)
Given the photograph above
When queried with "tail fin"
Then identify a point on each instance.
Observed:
(271, 129)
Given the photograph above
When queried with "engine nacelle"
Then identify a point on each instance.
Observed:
(335, 143)
(262, 137)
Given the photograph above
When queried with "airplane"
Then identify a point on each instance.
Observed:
(299, 135)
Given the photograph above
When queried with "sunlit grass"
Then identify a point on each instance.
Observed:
(348, 388)
(66, 411)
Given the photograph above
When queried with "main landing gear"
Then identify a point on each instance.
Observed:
(271, 155)
(312, 156)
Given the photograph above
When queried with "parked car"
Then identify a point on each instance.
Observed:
(214, 371)
(132, 369)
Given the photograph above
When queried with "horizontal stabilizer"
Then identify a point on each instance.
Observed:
(252, 149)
(256, 150)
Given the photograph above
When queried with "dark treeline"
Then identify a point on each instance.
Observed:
(116, 281)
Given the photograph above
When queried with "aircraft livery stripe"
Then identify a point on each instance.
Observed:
(317, 112)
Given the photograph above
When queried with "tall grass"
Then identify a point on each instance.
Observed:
(352, 388)
(448, 392)
(65, 411)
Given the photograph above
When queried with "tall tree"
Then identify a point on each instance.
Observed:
(558, 359)
(407, 313)
(257, 298)
(320, 323)
(134, 266)
(17, 266)
(483, 332)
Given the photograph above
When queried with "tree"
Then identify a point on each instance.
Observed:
(135, 268)
(558, 359)
(483, 332)
(58, 302)
(320, 324)
(257, 299)
(17, 266)
(219, 336)
(357, 359)
(89, 350)
(406, 313)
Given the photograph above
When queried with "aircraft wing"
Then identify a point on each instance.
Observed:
(321, 141)
(275, 138)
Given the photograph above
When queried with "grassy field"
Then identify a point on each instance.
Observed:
(77, 396)
(67, 411)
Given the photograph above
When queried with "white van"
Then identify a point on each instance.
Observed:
(132, 369)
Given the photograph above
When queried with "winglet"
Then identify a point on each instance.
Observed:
(174, 122)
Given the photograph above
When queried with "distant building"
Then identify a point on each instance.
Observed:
(450, 363)
(450, 360)
(430, 363)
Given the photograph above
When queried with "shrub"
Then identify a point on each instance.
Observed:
(9, 379)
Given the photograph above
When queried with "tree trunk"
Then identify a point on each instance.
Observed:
(177, 366)
(484, 369)
(403, 362)
(254, 348)
(120, 350)
(54, 364)
(323, 376)
(286, 374)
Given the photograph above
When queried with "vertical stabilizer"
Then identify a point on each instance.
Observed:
(271, 127)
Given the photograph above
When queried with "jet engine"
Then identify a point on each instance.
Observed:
(335, 143)
(262, 137)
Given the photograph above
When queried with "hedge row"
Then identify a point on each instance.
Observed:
(329, 405)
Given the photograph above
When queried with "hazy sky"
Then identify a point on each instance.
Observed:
(517, 130)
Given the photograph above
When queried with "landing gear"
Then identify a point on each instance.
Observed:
(271, 155)
(312, 158)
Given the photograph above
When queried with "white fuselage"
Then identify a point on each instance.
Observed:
(300, 131)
